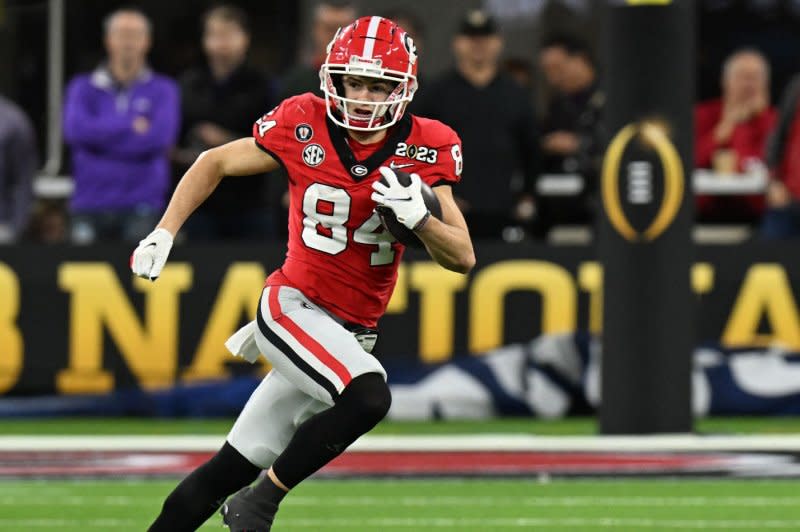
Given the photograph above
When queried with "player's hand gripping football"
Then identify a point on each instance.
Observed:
(406, 202)
(149, 257)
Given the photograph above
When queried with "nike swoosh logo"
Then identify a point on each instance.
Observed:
(395, 166)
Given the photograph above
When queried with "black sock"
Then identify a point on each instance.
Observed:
(267, 490)
(323, 437)
(201, 493)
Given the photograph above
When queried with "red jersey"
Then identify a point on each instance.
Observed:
(339, 255)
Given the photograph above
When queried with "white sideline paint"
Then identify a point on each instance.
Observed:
(441, 522)
(537, 522)
(55, 524)
(461, 442)
(579, 501)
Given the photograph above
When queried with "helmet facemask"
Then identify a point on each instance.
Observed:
(384, 114)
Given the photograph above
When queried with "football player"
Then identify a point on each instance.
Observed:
(316, 321)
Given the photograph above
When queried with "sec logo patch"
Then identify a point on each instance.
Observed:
(313, 155)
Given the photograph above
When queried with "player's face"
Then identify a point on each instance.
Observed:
(365, 89)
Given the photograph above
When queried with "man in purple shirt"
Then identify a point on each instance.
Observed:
(120, 121)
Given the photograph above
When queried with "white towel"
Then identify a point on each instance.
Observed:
(243, 343)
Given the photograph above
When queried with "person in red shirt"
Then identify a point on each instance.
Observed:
(782, 218)
(731, 133)
(316, 321)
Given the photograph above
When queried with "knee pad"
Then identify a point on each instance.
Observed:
(369, 395)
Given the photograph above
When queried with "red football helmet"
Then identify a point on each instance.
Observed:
(374, 47)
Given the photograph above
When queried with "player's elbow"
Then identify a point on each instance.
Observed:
(210, 157)
(469, 262)
(464, 263)
(212, 163)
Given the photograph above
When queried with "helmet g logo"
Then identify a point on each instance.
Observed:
(411, 48)
(655, 138)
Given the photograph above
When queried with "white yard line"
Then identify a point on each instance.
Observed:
(550, 501)
(72, 500)
(460, 442)
(54, 524)
(457, 523)
(534, 522)
(441, 501)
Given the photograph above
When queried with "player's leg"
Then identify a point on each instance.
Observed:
(199, 495)
(326, 361)
(269, 419)
(260, 433)
(324, 436)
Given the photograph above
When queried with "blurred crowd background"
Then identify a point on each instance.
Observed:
(104, 104)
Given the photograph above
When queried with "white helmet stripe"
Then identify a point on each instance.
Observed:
(369, 42)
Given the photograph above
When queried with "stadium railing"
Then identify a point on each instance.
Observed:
(704, 181)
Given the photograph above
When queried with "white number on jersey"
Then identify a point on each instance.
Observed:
(366, 234)
(333, 239)
(455, 153)
(265, 125)
(333, 219)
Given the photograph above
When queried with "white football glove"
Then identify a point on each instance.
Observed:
(149, 258)
(406, 202)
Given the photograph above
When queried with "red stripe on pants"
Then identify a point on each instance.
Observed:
(314, 347)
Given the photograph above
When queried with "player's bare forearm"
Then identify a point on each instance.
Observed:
(450, 246)
(195, 186)
(236, 158)
(447, 240)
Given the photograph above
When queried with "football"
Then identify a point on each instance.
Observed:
(400, 232)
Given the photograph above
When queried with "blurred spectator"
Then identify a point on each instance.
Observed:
(409, 21)
(731, 133)
(49, 224)
(521, 70)
(573, 135)
(18, 165)
(120, 122)
(415, 27)
(782, 217)
(494, 117)
(220, 102)
(328, 16)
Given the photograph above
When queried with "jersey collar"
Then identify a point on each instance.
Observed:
(358, 170)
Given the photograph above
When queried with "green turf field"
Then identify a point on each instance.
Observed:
(421, 505)
(462, 505)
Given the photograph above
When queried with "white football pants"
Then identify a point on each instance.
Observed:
(313, 358)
